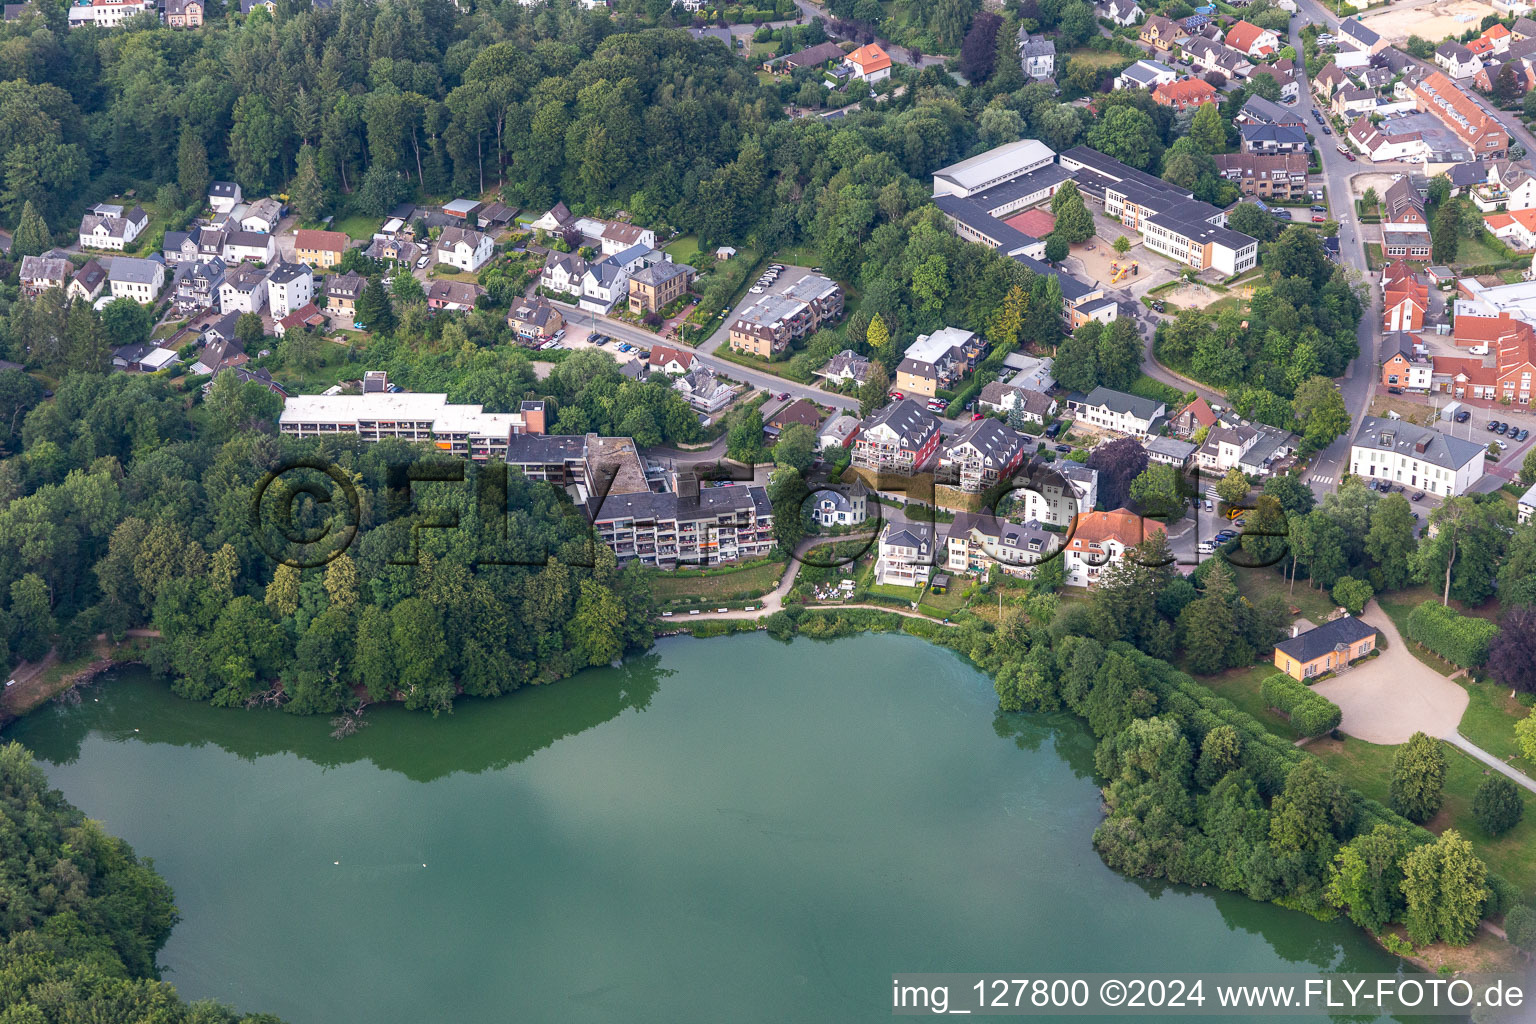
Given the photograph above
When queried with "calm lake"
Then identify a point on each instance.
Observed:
(732, 829)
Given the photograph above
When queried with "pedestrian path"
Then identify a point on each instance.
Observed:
(1459, 741)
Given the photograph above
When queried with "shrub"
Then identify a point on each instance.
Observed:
(1459, 639)
(1520, 926)
(1497, 805)
(1311, 713)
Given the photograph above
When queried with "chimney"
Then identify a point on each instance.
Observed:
(533, 417)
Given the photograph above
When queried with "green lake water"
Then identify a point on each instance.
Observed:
(720, 830)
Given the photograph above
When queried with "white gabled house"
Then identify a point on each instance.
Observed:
(465, 248)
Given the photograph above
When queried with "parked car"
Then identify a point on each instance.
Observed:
(1493, 426)
(1418, 495)
(1326, 129)
(1350, 157)
(1319, 209)
(1064, 448)
(1524, 433)
(1394, 391)
(1208, 506)
(757, 289)
(1463, 416)
(625, 346)
(978, 416)
(896, 396)
(1414, 514)
(777, 266)
(358, 324)
(783, 396)
(1503, 428)
(1317, 115)
(422, 263)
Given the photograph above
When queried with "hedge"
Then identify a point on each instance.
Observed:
(1311, 713)
(1462, 640)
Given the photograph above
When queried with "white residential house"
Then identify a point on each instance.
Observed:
(563, 273)
(1057, 493)
(1517, 184)
(249, 247)
(1527, 505)
(841, 505)
(1121, 12)
(108, 226)
(290, 287)
(1145, 74)
(1225, 446)
(1417, 457)
(1457, 60)
(603, 284)
(618, 237)
(1100, 539)
(262, 215)
(1037, 55)
(1113, 410)
(131, 277)
(224, 196)
(464, 248)
(907, 553)
(704, 391)
(243, 290)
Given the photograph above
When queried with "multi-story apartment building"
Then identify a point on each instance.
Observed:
(1416, 457)
(973, 543)
(705, 527)
(906, 554)
(769, 325)
(938, 360)
(981, 453)
(290, 286)
(378, 414)
(899, 438)
(1279, 176)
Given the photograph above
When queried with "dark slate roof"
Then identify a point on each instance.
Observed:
(910, 421)
(1315, 643)
(1120, 402)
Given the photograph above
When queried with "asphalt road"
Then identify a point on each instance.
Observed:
(766, 381)
(1359, 380)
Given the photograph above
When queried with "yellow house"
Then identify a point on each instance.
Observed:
(1326, 648)
(320, 248)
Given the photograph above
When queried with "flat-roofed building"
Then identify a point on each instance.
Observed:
(993, 167)
(465, 430)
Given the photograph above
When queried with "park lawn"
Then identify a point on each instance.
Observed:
(798, 256)
(1476, 250)
(682, 249)
(1368, 768)
(358, 226)
(1490, 720)
(1399, 605)
(752, 581)
(1098, 58)
(1256, 584)
(908, 594)
(1241, 687)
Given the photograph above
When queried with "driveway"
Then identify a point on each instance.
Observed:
(1394, 695)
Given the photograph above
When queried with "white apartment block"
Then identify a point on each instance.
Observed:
(1419, 458)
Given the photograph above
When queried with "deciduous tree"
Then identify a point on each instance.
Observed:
(1418, 778)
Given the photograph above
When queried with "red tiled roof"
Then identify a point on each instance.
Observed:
(1201, 411)
(1184, 93)
(870, 58)
(1092, 529)
(334, 241)
(1242, 35)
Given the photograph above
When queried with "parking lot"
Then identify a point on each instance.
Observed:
(760, 288)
